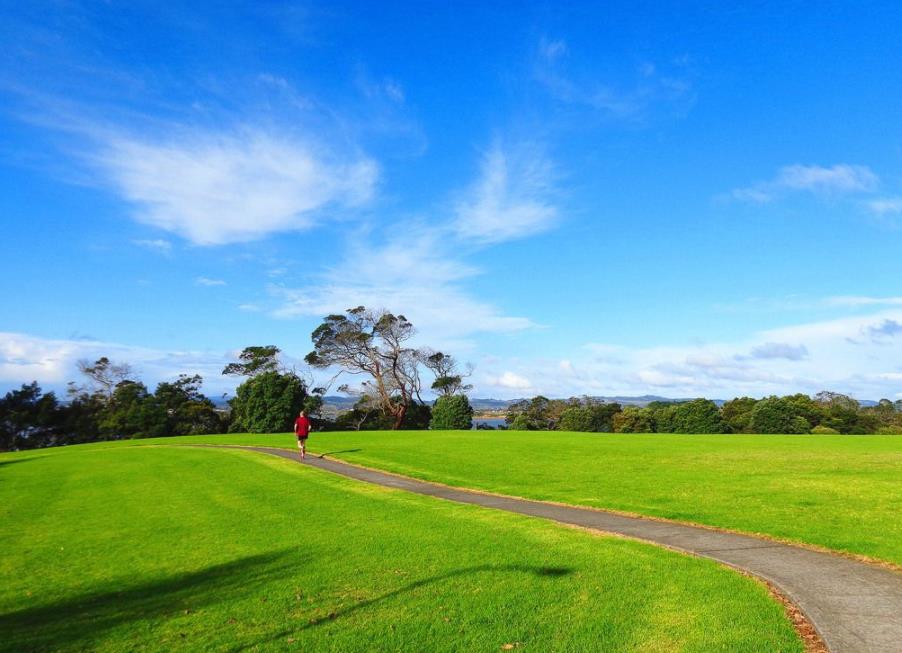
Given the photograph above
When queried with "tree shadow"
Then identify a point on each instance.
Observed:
(544, 572)
(75, 622)
(332, 453)
(14, 461)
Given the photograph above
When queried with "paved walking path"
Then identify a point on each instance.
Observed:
(856, 607)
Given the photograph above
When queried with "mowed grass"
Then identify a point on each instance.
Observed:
(119, 548)
(839, 492)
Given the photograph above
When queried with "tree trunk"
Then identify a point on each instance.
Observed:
(399, 417)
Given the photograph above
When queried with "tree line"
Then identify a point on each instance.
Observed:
(825, 413)
(112, 403)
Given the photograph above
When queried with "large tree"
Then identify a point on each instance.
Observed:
(452, 412)
(374, 343)
(188, 411)
(697, 416)
(777, 415)
(132, 412)
(267, 403)
(449, 378)
(255, 360)
(28, 418)
(104, 375)
(270, 398)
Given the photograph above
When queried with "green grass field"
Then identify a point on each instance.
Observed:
(121, 548)
(839, 492)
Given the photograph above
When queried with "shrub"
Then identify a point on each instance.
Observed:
(889, 430)
(824, 430)
(452, 412)
(576, 418)
(697, 416)
(737, 413)
(777, 415)
(633, 420)
(521, 423)
(267, 403)
(417, 417)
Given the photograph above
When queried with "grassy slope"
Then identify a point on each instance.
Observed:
(162, 549)
(840, 492)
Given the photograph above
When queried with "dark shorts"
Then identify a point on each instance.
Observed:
(302, 438)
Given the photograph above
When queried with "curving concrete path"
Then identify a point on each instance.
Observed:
(856, 607)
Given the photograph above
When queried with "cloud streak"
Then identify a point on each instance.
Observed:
(840, 179)
(632, 101)
(510, 200)
(158, 245)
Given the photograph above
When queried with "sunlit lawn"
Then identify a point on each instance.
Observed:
(121, 548)
(839, 492)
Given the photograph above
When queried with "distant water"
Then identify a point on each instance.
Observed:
(494, 422)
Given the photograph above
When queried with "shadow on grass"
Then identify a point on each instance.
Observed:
(542, 572)
(75, 623)
(332, 453)
(14, 461)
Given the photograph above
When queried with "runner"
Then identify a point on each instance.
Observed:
(302, 428)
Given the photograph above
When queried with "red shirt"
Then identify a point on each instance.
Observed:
(302, 427)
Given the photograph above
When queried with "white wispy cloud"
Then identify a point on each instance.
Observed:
(862, 300)
(886, 205)
(511, 199)
(414, 276)
(157, 245)
(214, 188)
(208, 282)
(650, 90)
(424, 273)
(780, 350)
(795, 303)
(840, 179)
(552, 49)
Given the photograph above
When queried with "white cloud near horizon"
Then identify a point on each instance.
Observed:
(511, 198)
(859, 355)
(842, 178)
(216, 188)
(512, 381)
(52, 361)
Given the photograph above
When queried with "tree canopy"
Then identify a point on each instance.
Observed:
(452, 412)
(375, 343)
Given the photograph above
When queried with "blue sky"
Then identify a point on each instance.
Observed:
(677, 199)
